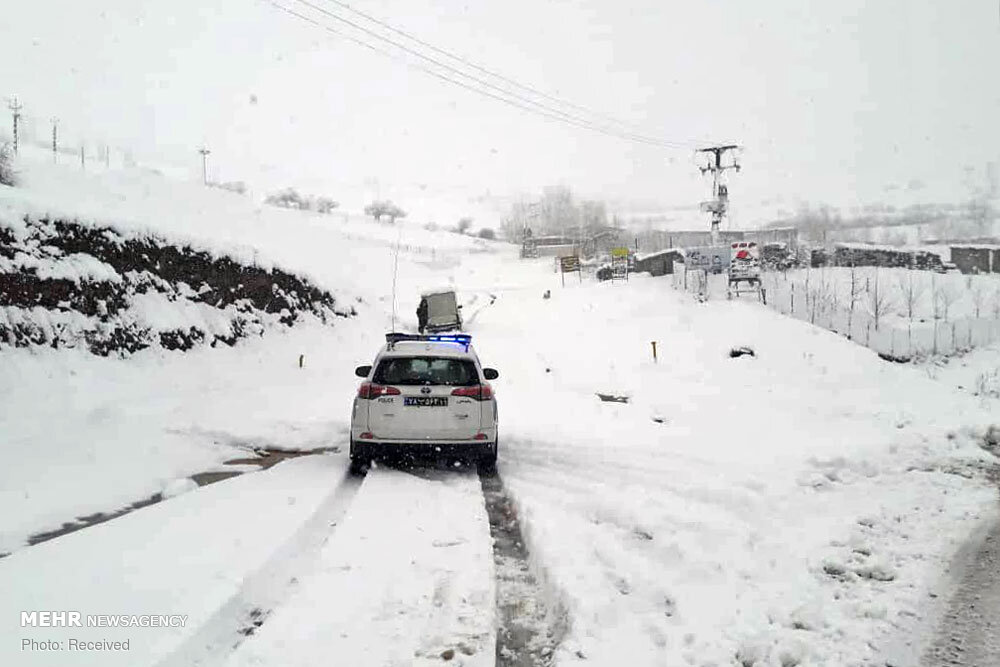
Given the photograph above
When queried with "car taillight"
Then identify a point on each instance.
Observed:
(372, 390)
(482, 392)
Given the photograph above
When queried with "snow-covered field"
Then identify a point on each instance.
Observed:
(897, 312)
(796, 507)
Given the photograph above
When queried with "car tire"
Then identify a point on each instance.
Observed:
(359, 462)
(488, 459)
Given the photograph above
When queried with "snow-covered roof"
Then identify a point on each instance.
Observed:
(437, 290)
(858, 245)
(658, 253)
(975, 246)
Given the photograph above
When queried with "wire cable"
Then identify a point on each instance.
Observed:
(477, 80)
(465, 61)
(501, 94)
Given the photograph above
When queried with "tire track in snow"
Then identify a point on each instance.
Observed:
(262, 590)
(969, 634)
(263, 460)
(529, 625)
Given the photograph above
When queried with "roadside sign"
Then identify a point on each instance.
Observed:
(713, 259)
(619, 263)
(568, 264)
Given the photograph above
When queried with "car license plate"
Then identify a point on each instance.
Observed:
(426, 401)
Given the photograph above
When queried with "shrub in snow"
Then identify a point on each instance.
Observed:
(791, 653)
(293, 199)
(288, 198)
(834, 568)
(379, 208)
(808, 617)
(324, 205)
(7, 174)
(487, 233)
(751, 653)
(992, 438)
(876, 571)
(238, 187)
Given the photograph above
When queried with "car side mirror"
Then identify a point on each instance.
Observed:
(362, 371)
(490, 373)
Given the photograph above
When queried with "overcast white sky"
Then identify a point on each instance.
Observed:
(841, 102)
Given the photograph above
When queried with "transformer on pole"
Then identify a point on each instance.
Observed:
(719, 204)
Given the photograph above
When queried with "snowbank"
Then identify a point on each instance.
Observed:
(797, 505)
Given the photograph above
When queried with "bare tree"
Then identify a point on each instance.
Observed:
(854, 295)
(910, 291)
(822, 298)
(944, 298)
(833, 302)
(880, 301)
(935, 302)
(978, 293)
(809, 295)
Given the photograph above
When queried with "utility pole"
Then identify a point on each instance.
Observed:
(204, 164)
(83, 159)
(15, 108)
(719, 203)
(55, 139)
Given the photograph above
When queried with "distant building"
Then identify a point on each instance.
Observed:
(655, 240)
(658, 263)
(976, 258)
(554, 246)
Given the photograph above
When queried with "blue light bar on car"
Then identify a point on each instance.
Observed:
(458, 339)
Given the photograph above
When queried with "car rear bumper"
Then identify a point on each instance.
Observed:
(368, 448)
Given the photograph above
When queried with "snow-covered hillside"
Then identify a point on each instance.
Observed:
(64, 284)
(795, 507)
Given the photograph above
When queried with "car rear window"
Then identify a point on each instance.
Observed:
(426, 370)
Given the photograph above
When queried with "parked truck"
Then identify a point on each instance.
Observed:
(441, 311)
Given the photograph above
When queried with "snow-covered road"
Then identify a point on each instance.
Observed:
(796, 507)
(274, 566)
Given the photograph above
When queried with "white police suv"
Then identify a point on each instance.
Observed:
(425, 392)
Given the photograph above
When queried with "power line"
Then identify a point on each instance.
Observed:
(504, 95)
(517, 96)
(484, 70)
